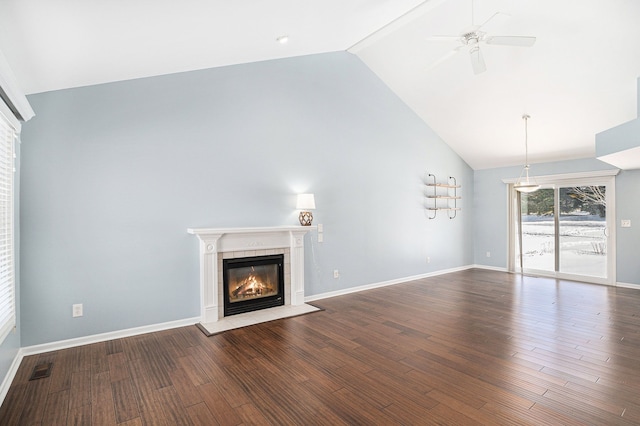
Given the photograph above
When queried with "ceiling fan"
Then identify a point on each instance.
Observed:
(472, 37)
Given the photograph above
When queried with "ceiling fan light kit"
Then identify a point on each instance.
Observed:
(527, 184)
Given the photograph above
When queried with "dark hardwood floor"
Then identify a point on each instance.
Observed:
(472, 347)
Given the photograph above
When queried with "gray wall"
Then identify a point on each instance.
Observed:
(627, 239)
(490, 205)
(114, 174)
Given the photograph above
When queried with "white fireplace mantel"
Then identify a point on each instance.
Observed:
(220, 240)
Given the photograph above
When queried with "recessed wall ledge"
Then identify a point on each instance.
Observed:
(220, 240)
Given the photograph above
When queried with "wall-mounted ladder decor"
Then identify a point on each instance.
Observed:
(450, 197)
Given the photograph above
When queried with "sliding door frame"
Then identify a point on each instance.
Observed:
(599, 178)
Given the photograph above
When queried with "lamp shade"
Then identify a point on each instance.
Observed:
(306, 202)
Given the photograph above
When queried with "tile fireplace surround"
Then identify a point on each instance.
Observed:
(216, 243)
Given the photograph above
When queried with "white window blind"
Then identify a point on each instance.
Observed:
(7, 258)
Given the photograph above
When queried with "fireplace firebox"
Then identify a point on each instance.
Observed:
(253, 283)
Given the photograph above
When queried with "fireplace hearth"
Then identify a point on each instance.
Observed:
(253, 283)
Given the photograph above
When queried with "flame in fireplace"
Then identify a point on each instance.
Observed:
(251, 287)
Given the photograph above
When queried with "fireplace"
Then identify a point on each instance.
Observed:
(253, 283)
(217, 244)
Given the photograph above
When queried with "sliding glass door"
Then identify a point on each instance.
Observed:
(582, 230)
(565, 229)
(537, 224)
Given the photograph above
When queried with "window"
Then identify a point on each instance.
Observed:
(8, 136)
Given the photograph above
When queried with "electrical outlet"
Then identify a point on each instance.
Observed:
(320, 237)
(77, 310)
(625, 223)
(428, 259)
(488, 254)
(336, 273)
(320, 228)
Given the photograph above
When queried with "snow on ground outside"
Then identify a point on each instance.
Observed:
(582, 244)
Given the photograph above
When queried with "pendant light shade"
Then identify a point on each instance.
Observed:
(524, 182)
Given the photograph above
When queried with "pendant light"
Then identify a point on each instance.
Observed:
(526, 185)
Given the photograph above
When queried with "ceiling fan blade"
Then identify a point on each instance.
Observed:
(443, 38)
(444, 58)
(477, 61)
(522, 41)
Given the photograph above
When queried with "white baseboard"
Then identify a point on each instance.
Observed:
(87, 340)
(384, 283)
(628, 285)
(8, 378)
(490, 268)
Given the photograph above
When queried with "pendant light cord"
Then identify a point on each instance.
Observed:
(526, 185)
(472, 17)
(525, 117)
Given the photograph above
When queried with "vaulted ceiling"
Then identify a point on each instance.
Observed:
(578, 79)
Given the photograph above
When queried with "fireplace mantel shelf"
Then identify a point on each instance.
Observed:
(216, 241)
(222, 231)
